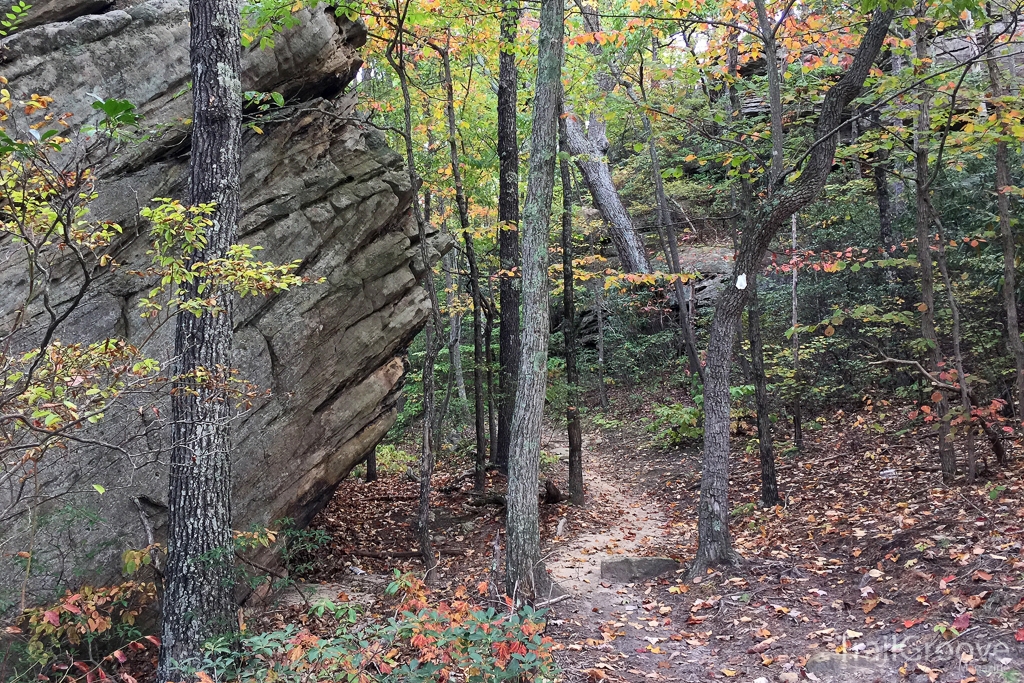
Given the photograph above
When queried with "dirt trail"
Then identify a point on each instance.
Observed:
(632, 525)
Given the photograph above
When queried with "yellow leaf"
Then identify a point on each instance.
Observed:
(730, 672)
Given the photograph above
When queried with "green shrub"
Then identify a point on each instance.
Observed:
(677, 425)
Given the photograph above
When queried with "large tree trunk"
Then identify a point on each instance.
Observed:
(198, 598)
(508, 233)
(525, 573)
(589, 149)
(1003, 183)
(572, 375)
(714, 545)
(769, 483)
(922, 229)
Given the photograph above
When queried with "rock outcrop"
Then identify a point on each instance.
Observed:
(319, 187)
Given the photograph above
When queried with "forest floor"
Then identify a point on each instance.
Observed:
(872, 571)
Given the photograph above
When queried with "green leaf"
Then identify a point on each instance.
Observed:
(99, 489)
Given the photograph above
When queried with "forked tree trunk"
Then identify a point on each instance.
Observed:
(508, 233)
(198, 600)
(769, 483)
(525, 573)
(922, 230)
(572, 375)
(714, 544)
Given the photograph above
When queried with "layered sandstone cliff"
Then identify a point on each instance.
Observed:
(318, 186)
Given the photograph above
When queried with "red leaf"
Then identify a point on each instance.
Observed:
(962, 622)
(51, 617)
(1019, 635)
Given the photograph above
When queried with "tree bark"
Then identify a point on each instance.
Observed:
(798, 425)
(492, 422)
(371, 465)
(769, 483)
(1007, 238)
(572, 375)
(508, 233)
(922, 230)
(426, 449)
(525, 573)
(198, 600)
(714, 544)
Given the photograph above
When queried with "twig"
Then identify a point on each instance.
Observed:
(552, 601)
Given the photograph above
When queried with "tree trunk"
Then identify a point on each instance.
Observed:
(589, 148)
(602, 388)
(672, 257)
(769, 483)
(881, 177)
(198, 600)
(479, 410)
(371, 465)
(922, 225)
(480, 471)
(572, 375)
(426, 449)
(714, 545)
(492, 423)
(455, 337)
(798, 425)
(508, 233)
(1008, 240)
(525, 573)
(432, 335)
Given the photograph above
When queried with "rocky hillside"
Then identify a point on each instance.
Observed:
(318, 186)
